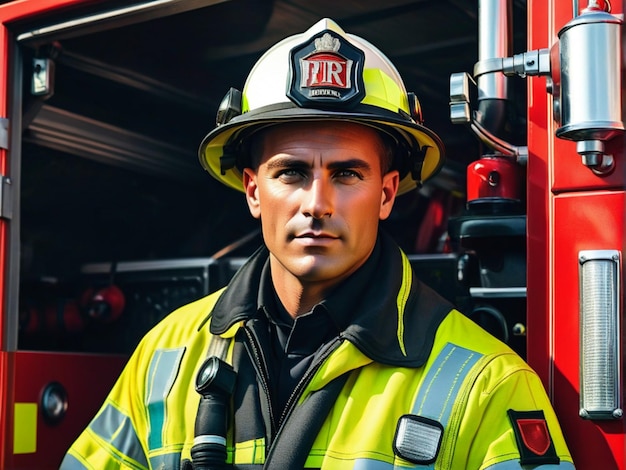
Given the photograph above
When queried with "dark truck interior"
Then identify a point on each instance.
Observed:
(115, 221)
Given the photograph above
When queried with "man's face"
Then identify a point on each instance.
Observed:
(320, 192)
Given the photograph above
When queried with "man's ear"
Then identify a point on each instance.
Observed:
(391, 182)
(252, 192)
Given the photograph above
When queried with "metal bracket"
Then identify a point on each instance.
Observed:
(530, 63)
(461, 113)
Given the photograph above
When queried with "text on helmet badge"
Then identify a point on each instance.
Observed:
(326, 71)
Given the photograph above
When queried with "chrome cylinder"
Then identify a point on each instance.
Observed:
(590, 77)
(493, 42)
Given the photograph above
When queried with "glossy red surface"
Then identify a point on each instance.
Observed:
(569, 209)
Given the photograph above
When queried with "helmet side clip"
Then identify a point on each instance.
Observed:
(415, 108)
(229, 108)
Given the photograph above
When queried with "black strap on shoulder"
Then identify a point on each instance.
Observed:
(292, 445)
(218, 347)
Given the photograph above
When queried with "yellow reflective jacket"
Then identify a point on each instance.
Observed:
(424, 387)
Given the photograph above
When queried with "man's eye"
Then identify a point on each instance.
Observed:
(348, 174)
(290, 175)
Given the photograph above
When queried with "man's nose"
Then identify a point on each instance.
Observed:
(318, 199)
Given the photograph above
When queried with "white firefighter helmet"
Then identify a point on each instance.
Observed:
(322, 74)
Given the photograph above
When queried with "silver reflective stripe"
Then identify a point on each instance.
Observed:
(162, 373)
(116, 428)
(165, 461)
(433, 407)
(443, 381)
(369, 464)
(71, 463)
(515, 465)
(436, 396)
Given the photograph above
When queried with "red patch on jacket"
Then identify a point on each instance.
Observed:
(534, 434)
(533, 438)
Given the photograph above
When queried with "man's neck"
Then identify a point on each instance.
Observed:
(297, 296)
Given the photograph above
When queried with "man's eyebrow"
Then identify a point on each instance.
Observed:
(287, 162)
(290, 162)
(355, 163)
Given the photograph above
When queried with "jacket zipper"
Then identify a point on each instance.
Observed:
(254, 350)
(304, 381)
(260, 365)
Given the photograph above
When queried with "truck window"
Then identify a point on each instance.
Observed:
(112, 196)
(109, 176)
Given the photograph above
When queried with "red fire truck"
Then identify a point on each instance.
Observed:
(107, 222)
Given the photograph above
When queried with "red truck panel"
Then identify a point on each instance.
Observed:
(87, 378)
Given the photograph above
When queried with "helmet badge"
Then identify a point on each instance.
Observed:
(326, 71)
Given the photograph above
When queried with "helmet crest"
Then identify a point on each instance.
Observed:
(326, 71)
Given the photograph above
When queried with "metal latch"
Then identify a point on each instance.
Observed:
(6, 198)
(4, 133)
(6, 188)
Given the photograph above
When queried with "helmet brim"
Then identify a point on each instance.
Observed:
(212, 147)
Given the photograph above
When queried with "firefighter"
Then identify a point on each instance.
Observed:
(324, 351)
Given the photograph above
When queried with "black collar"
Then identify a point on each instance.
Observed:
(365, 306)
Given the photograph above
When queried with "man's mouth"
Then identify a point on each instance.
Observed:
(316, 235)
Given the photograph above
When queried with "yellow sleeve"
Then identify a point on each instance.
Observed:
(113, 439)
(506, 393)
(148, 416)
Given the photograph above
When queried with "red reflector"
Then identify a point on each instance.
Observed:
(535, 434)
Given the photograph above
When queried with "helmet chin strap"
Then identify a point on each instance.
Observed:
(228, 160)
(417, 158)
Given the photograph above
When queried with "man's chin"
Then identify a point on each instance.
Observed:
(322, 270)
